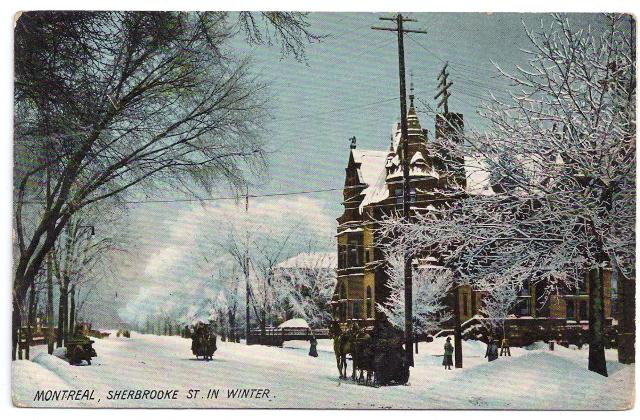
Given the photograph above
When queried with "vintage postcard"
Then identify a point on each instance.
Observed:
(373, 210)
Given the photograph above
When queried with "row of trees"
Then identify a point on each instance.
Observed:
(560, 160)
(112, 102)
(276, 292)
(78, 263)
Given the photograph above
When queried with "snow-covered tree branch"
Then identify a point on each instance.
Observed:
(549, 192)
(306, 288)
(431, 286)
(497, 304)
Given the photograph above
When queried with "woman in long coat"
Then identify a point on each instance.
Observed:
(313, 346)
(492, 350)
(448, 353)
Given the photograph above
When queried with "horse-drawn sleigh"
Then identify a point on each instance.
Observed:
(377, 353)
(203, 341)
(79, 347)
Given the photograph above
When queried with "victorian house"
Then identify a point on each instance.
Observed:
(373, 189)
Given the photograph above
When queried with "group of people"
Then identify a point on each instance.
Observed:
(491, 354)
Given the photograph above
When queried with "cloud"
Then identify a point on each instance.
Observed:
(179, 258)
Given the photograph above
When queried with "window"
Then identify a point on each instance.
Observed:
(400, 199)
(354, 254)
(343, 302)
(369, 254)
(571, 310)
(369, 303)
(584, 312)
(522, 307)
(356, 311)
(341, 256)
(465, 304)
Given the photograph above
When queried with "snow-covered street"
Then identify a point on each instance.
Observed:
(288, 377)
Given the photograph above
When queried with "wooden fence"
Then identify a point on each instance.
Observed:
(274, 336)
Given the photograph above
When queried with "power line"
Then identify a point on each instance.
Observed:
(235, 197)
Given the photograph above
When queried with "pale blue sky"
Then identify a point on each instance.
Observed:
(348, 87)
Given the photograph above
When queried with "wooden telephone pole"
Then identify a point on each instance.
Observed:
(408, 286)
(247, 328)
(444, 89)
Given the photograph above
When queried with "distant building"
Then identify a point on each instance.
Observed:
(313, 276)
(308, 260)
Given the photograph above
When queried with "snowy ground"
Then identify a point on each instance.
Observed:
(530, 379)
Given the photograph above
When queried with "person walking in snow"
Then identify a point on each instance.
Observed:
(492, 350)
(448, 353)
(313, 348)
(505, 350)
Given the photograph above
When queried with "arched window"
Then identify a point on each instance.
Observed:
(369, 302)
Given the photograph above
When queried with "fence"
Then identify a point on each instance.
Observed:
(274, 336)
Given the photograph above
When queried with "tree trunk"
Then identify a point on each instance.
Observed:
(72, 313)
(50, 328)
(30, 320)
(457, 330)
(232, 326)
(597, 362)
(15, 328)
(627, 319)
(263, 326)
(20, 341)
(15, 324)
(63, 309)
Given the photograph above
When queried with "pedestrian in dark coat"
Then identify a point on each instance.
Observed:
(448, 355)
(313, 348)
(492, 350)
(505, 350)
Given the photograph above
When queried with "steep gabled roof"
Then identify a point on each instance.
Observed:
(370, 163)
(376, 191)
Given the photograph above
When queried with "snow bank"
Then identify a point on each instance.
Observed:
(294, 323)
(27, 377)
(530, 379)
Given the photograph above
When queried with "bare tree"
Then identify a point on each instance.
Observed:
(107, 101)
(82, 258)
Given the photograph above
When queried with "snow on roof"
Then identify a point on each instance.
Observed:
(351, 230)
(370, 162)
(478, 176)
(311, 259)
(376, 191)
(417, 157)
(395, 161)
(294, 323)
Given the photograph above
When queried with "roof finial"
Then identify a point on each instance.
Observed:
(353, 142)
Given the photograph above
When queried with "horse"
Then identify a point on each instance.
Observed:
(356, 342)
(363, 355)
(341, 347)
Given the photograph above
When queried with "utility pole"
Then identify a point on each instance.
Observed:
(408, 284)
(246, 274)
(444, 87)
(443, 91)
